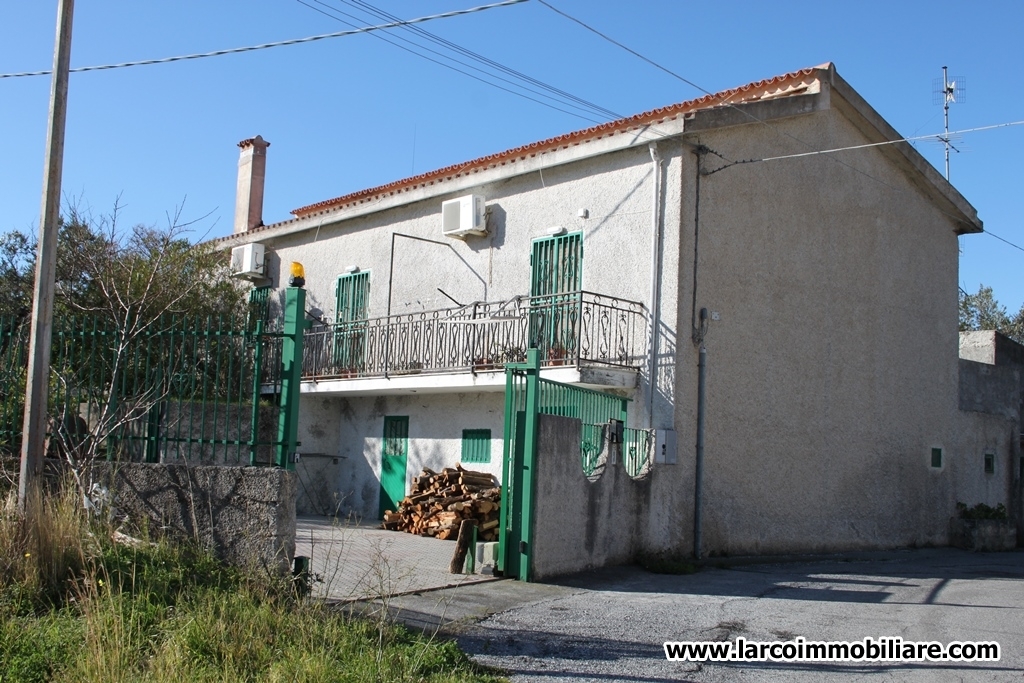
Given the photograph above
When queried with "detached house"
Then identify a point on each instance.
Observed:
(822, 286)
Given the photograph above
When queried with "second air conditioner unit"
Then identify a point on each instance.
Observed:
(464, 216)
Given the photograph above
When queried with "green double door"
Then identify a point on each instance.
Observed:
(393, 461)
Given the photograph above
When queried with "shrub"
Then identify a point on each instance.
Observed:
(981, 511)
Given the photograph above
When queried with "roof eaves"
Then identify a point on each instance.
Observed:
(784, 85)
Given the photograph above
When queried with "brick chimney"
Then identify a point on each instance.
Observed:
(252, 172)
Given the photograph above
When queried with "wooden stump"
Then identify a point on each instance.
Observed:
(462, 546)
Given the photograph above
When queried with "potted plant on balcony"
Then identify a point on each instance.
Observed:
(483, 363)
(557, 354)
(410, 368)
(512, 354)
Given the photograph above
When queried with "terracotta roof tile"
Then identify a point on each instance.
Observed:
(778, 86)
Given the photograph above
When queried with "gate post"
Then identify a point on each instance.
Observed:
(291, 376)
(529, 449)
(515, 539)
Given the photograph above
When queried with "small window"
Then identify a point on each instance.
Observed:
(476, 445)
(990, 463)
(936, 457)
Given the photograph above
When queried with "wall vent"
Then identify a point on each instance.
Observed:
(464, 216)
(247, 262)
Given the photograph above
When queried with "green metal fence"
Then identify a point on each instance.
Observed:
(173, 388)
(527, 396)
(13, 363)
(636, 451)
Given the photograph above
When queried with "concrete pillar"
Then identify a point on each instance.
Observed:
(252, 172)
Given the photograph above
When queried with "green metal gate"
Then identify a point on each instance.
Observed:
(216, 391)
(527, 396)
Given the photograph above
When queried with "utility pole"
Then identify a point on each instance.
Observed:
(34, 427)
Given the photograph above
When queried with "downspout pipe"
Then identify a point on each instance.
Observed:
(698, 489)
(655, 279)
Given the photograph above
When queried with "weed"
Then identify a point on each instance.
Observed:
(80, 602)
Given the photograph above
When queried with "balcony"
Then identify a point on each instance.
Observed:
(582, 337)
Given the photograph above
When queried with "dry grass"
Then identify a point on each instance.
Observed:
(76, 606)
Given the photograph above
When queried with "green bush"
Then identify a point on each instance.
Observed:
(981, 511)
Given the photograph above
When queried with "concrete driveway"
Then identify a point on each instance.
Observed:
(610, 625)
(351, 561)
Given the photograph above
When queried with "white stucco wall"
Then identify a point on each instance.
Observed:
(833, 369)
(435, 439)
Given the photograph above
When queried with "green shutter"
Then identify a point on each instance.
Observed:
(557, 265)
(555, 282)
(352, 297)
(352, 302)
(476, 445)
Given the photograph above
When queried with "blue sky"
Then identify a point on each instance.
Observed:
(355, 112)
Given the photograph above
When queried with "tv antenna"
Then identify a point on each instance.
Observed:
(948, 92)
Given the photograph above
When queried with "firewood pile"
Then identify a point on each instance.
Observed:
(440, 501)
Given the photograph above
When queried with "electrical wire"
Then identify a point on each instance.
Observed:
(264, 46)
(1015, 246)
(742, 111)
(933, 136)
(624, 47)
(453, 68)
(382, 14)
(589, 110)
(827, 153)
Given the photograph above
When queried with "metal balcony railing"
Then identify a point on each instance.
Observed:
(575, 329)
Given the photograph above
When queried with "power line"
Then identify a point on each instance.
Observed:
(589, 109)
(264, 46)
(935, 136)
(742, 111)
(453, 68)
(1015, 246)
(367, 7)
(624, 47)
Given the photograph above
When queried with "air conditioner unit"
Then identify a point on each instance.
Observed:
(463, 216)
(247, 262)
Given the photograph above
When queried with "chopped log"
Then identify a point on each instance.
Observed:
(462, 546)
(440, 501)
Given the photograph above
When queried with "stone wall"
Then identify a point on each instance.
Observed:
(244, 515)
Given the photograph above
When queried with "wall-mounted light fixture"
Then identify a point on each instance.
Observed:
(555, 231)
(352, 269)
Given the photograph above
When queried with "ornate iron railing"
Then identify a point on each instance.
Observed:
(576, 328)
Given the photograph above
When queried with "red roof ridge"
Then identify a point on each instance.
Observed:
(743, 93)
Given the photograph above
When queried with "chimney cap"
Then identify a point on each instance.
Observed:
(257, 141)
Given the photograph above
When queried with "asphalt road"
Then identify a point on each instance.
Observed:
(611, 625)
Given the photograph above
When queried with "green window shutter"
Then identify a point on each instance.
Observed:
(476, 445)
(557, 264)
(352, 296)
(556, 276)
(352, 302)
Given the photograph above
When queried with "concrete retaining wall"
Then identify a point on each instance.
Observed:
(244, 515)
(581, 524)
